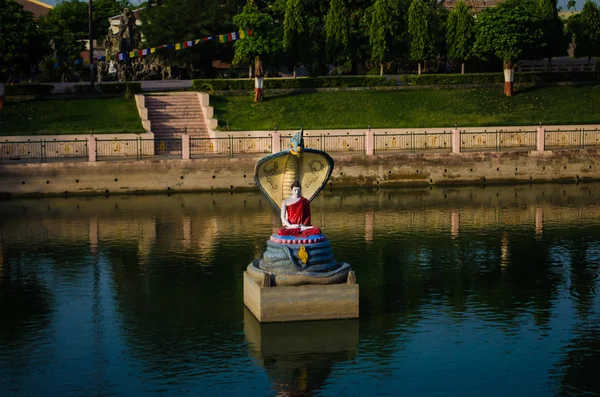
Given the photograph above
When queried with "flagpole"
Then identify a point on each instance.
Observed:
(90, 27)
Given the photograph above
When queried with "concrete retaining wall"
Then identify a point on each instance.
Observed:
(237, 173)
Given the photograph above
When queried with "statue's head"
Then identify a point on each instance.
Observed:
(296, 189)
(297, 143)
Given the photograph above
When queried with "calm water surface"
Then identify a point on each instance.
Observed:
(466, 292)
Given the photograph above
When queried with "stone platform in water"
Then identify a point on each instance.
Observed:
(299, 279)
(301, 302)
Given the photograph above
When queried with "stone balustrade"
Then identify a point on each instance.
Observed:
(371, 142)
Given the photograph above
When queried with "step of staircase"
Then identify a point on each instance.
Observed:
(174, 114)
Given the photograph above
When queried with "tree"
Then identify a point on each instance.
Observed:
(384, 26)
(508, 31)
(460, 33)
(421, 29)
(337, 30)
(553, 29)
(585, 28)
(22, 44)
(194, 19)
(265, 40)
(572, 4)
(294, 24)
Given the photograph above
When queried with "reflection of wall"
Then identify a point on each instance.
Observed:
(198, 220)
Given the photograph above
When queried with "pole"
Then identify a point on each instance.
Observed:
(90, 28)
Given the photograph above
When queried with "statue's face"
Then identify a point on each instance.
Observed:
(296, 191)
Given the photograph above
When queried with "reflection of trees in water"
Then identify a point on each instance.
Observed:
(578, 369)
(174, 308)
(26, 305)
(403, 272)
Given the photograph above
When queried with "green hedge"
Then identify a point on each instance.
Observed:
(498, 78)
(28, 89)
(119, 88)
(210, 85)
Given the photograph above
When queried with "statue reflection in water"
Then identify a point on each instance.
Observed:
(298, 357)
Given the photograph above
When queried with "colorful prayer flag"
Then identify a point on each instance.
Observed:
(122, 56)
(241, 34)
(152, 50)
(230, 37)
(178, 46)
(221, 39)
(190, 43)
(145, 51)
(196, 41)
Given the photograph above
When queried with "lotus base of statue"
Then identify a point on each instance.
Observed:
(297, 278)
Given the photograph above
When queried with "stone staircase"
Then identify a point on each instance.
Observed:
(174, 114)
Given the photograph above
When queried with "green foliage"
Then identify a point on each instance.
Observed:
(509, 31)
(317, 82)
(337, 30)
(383, 29)
(554, 38)
(266, 37)
(72, 15)
(460, 32)
(421, 28)
(22, 44)
(293, 23)
(572, 4)
(28, 89)
(585, 28)
(120, 88)
(181, 20)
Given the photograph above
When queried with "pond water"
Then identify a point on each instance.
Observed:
(463, 291)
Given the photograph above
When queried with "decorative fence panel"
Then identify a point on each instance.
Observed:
(517, 140)
(43, 151)
(207, 147)
(498, 141)
(564, 139)
(162, 148)
(251, 145)
(344, 143)
(230, 146)
(413, 142)
(122, 149)
(591, 137)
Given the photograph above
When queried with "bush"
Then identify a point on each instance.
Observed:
(498, 78)
(28, 89)
(208, 85)
(120, 88)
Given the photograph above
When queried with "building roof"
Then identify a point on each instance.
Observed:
(37, 8)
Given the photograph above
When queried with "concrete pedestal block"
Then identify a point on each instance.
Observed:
(300, 303)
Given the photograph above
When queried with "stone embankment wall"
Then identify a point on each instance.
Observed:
(217, 174)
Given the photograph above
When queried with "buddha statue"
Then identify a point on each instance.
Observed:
(299, 253)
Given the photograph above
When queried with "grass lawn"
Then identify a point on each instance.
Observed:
(411, 108)
(77, 116)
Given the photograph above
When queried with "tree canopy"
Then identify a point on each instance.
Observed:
(265, 40)
(383, 28)
(460, 32)
(585, 28)
(337, 30)
(421, 28)
(509, 31)
(22, 44)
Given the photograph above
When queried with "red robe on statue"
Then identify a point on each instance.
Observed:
(299, 214)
